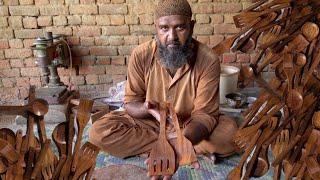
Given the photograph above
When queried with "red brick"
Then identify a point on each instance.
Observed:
(225, 29)
(125, 50)
(103, 20)
(87, 41)
(118, 1)
(23, 82)
(201, 29)
(215, 40)
(26, 2)
(103, 1)
(202, 18)
(115, 30)
(243, 58)
(74, 20)
(146, 19)
(92, 79)
(1, 54)
(59, 20)
(15, 43)
(227, 7)
(142, 29)
(202, 8)
(10, 2)
(91, 70)
(116, 40)
(36, 81)
(84, 9)
(216, 19)
(103, 60)
(18, 53)
(4, 44)
(23, 10)
(73, 40)
(66, 72)
(28, 33)
(117, 20)
(3, 22)
(4, 11)
(30, 22)
(6, 33)
(44, 21)
(105, 79)
(147, 7)
(32, 71)
(87, 31)
(27, 43)
(118, 60)
(14, 72)
(15, 22)
(113, 9)
(79, 51)
(56, 1)
(229, 58)
(131, 20)
(103, 51)
(52, 10)
(16, 63)
(41, 2)
(88, 20)
(4, 64)
(65, 30)
(101, 41)
(30, 62)
(87, 1)
(116, 69)
(88, 60)
(9, 82)
(131, 40)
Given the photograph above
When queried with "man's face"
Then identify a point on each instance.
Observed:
(174, 31)
(174, 39)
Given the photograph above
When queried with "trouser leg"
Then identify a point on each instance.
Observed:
(220, 141)
(122, 136)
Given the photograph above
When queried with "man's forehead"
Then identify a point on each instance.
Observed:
(172, 20)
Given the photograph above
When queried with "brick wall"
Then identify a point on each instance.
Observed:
(102, 34)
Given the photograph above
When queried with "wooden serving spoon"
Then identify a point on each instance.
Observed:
(162, 160)
(185, 148)
(83, 117)
(310, 30)
(38, 107)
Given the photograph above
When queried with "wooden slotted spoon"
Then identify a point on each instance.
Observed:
(162, 160)
(185, 148)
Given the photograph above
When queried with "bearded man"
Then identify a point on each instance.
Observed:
(172, 68)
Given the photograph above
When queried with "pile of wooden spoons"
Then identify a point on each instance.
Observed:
(29, 157)
(285, 116)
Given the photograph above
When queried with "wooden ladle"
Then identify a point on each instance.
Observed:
(60, 139)
(8, 135)
(310, 30)
(38, 107)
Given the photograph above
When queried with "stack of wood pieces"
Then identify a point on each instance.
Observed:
(285, 116)
(30, 157)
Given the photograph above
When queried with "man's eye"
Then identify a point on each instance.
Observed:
(164, 28)
(180, 28)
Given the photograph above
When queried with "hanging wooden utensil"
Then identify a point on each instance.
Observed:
(310, 30)
(185, 150)
(83, 117)
(162, 160)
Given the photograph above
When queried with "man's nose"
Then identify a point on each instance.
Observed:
(172, 35)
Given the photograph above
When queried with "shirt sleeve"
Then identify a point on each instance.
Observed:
(206, 104)
(135, 87)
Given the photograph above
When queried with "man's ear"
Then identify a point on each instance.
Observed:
(192, 22)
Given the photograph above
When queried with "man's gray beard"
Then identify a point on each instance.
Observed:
(176, 57)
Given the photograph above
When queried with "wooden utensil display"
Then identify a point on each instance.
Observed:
(289, 45)
(26, 157)
(162, 160)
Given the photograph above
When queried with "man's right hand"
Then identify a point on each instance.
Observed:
(153, 109)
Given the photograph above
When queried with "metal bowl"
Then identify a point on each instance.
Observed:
(236, 100)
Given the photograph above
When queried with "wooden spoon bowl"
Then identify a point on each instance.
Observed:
(310, 30)
(8, 135)
(60, 139)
